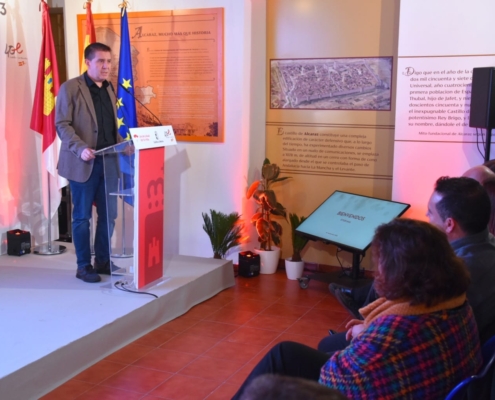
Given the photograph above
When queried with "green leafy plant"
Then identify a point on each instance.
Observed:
(269, 231)
(224, 231)
(298, 242)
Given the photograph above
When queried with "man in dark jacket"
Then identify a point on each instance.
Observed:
(460, 207)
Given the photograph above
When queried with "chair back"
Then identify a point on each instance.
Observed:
(488, 353)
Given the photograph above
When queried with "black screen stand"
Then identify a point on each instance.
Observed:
(488, 143)
(354, 279)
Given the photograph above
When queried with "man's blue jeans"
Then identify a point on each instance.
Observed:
(83, 196)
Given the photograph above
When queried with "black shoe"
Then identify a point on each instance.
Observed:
(348, 303)
(333, 287)
(104, 268)
(88, 274)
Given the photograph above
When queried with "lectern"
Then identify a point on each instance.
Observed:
(135, 177)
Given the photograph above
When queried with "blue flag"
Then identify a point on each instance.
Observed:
(126, 104)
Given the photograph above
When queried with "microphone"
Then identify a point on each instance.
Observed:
(139, 101)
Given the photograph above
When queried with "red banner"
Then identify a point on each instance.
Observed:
(90, 34)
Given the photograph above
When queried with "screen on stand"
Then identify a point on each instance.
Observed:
(349, 220)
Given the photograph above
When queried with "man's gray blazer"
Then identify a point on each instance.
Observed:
(75, 120)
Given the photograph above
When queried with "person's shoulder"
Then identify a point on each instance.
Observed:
(73, 82)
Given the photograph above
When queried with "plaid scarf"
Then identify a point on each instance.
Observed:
(407, 352)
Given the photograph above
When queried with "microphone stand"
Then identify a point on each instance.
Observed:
(140, 102)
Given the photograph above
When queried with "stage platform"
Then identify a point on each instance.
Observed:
(53, 325)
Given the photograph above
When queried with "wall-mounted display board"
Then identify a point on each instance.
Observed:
(177, 59)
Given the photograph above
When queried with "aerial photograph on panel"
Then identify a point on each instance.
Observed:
(331, 83)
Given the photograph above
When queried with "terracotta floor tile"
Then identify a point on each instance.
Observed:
(233, 351)
(271, 322)
(225, 391)
(282, 310)
(326, 315)
(312, 327)
(201, 311)
(129, 353)
(165, 360)
(156, 338)
(68, 391)
(248, 305)
(181, 387)
(342, 326)
(191, 343)
(311, 341)
(238, 378)
(246, 335)
(209, 351)
(218, 301)
(136, 379)
(212, 329)
(179, 324)
(231, 316)
(264, 295)
(299, 301)
(228, 293)
(257, 358)
(99, 371)
(211, 368)
(109, 393)
(317, 291)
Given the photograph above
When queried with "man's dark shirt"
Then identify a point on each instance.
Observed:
(478, 252)
(104, 113)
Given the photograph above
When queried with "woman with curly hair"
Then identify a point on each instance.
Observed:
(417, 341)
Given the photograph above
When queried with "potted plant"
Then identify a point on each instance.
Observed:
(268, 230)
(294, 266)
(224, 231)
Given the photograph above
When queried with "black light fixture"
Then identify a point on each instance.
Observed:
(249, 264)
(18, 242)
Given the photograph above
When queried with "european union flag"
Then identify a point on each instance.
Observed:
(126, 104)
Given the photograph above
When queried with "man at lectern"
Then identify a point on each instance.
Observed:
(86, 121)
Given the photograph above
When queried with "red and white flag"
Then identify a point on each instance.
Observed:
(43, 116)
(90, 36)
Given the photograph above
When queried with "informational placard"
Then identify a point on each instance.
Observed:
(331, 150)
(435, 98)
(177, 59)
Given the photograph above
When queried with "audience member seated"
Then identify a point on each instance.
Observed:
(486, 177)
(480, 173)
(490, 164)
(277, 387)
(490, 189)
(461, 208)
(417, 341)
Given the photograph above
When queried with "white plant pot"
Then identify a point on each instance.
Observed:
(294, 269)
(268, 260)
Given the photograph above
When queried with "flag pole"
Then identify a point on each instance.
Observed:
(42, 118)
(49, 248)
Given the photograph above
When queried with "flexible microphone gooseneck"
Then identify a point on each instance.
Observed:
(139, 101)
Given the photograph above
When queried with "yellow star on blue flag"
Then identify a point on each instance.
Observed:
(126, 104)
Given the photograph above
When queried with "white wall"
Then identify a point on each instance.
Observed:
(199, 176)
(438, 35)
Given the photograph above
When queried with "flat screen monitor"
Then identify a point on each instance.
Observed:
(349, 220)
